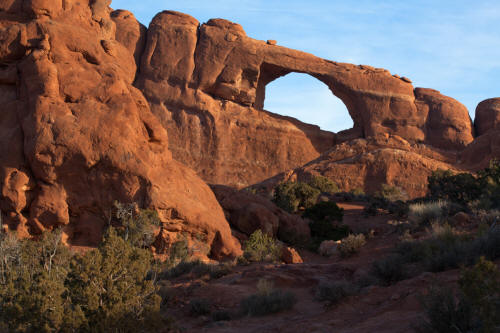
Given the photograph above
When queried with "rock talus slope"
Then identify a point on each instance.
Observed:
(77, 135)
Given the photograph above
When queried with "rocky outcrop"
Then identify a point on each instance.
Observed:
(207, 85)
(448, 124)
(77, 135)
(487, 116)
(97, 108)
(248, 212)
(366, 164)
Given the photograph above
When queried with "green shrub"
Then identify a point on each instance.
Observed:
(358, 192)
(424, 213)
(138, 224)
(267, 300)
(325, 210)
(391, 193)
(334, 292)
(324, 184)
(460, 188)
(262, 247)
(445, 313)
(290, 196)
(111, 287)
(474, 308)
(324, 215)
(351, 245)
(389, 269)
(197, 269)
(480, 285)
(46, 288)
(444, 250)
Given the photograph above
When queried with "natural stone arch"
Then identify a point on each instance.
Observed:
(270, 73)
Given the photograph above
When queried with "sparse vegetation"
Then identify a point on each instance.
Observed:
(482, 189)
(445, 249)
(351, 245)
(267, 300)
(262, 247)
(199, 307)
(197, 269)
(391, 193)
(334, 292)
(474, 308)
(424, 213)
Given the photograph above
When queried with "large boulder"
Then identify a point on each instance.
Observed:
(247, 212)
(487, 116)
(448, 122)
(77, 135)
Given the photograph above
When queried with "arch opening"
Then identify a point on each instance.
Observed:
(303, 97)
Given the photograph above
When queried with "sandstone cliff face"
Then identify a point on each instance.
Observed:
(76, 135)
(207, 85)
(97, 108)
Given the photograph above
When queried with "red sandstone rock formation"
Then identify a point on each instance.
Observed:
(487, 116)
(76, 135)
(207, 85)
(248, 212)
(89, 96)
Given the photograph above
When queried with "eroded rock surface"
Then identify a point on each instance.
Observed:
(97, 108)
(77, 135)
(207, 84)
(248, 212)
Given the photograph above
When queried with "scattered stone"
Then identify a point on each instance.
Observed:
(290, 256)
(271, 42)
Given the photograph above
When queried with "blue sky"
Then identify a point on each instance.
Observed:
(451, 46)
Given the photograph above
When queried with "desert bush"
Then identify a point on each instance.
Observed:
(267, 300)
(199, 307)
(358, 192)
(290, 196)
(48, 289)
(262, 247)
(445, 249)
(460, 188)
(334, 292)
(196, 269)
(424, 213)
(32, 287)
(323, 184)
(390, 269)
(351, 245)
(138, 224)
(444, 312)
(323, 227)
(222, 315)
(325, 210)
(111, 287)
(391, 193)
(474, 308)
